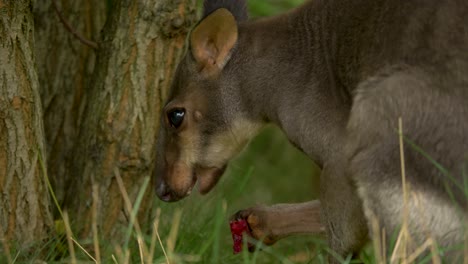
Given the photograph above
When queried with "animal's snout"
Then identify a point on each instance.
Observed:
(164, 192)
(174, 181)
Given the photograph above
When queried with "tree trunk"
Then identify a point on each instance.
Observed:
(142, 42)
(24, 201)
(64, 67)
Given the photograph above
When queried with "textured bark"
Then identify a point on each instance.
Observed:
(24, 200)
(64, 66)
(142, 42)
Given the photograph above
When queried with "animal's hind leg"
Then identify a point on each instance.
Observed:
(342, 214)
(373, 153)
(419, 215)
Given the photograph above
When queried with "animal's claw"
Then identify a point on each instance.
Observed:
(258, 224)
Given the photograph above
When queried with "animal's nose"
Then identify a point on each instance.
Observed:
(165, 193)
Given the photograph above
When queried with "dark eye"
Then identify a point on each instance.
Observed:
(176, 117)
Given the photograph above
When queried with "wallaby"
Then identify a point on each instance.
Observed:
(336, 76)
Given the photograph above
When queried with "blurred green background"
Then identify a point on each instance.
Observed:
(270, 170)
(258, 8)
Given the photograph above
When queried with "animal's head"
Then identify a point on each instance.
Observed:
(203, 124)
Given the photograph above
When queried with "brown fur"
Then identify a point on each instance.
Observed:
(272, 223)
(336, 76)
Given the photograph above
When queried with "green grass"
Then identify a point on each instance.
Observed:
(259, 8)
(196, 229)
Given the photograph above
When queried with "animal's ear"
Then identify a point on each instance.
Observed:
(212, 40)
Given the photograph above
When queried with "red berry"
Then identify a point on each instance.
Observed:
(238, 227)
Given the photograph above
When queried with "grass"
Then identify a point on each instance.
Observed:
(259, 8)
(196, 229)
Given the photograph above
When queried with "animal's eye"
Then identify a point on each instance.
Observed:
(176, 117)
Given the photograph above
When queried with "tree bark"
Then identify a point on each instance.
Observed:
(24, 201)
(142, 42)
(64, 67)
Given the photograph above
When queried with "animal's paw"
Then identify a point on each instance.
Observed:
(258, 221)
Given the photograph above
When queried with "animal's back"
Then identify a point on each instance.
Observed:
(429, 50)
(373, 35)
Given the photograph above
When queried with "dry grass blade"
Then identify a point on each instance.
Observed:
(114, 259)
(404, 229)
(140, 249)
(69, 237)
(171, 240)
(384, 246)
(94, 225)
(122, 255)
(162, 247)
(425, 226)
(84, 250)
(376, 239)
(419, 250)
(154, 236)
(435, 256)
(49, 185)
(394, 257)
(129, 207)
(401, 247)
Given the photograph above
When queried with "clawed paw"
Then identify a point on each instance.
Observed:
(257, 221)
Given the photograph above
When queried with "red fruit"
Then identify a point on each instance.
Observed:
(238, 227)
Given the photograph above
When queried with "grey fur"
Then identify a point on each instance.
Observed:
(335, 76)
